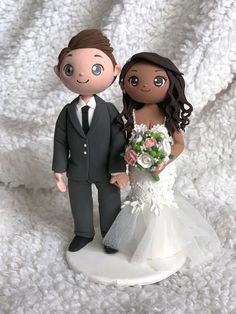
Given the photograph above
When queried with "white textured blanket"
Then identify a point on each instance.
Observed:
(35, 220)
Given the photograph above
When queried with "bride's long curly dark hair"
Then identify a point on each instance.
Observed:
(175, 107)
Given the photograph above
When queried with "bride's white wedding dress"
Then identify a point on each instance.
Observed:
(156, 225)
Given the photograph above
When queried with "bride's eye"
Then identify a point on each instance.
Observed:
(133, 80)
(159, 81)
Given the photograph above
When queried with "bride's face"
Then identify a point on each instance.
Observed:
(146, 83)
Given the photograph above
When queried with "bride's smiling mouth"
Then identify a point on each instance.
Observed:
(83, 82)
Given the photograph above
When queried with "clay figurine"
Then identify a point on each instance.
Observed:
(87, 140)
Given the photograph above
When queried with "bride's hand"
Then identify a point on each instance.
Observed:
(159, 168)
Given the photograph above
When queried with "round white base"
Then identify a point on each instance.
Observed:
(104, 268)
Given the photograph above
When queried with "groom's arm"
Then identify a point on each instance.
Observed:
(117, 143)
(61, 148)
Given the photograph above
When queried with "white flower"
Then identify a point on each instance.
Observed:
(140, 128)
(160, 128)
(145, 160)
(165, 146)
(135, 138)
(138, 139)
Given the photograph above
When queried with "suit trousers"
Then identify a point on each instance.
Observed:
(80, 193)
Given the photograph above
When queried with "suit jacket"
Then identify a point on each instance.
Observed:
(93, 156)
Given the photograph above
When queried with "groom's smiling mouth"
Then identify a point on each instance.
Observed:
(83, 82)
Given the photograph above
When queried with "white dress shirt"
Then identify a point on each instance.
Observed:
(92, 105)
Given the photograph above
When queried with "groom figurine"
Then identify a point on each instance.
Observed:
(87, 140)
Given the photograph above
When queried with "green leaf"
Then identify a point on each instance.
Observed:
(139, 167)
(156, 177)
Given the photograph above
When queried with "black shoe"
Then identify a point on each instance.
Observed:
(110, 250)
(78, 243)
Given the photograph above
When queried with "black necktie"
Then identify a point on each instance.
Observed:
(85, 123)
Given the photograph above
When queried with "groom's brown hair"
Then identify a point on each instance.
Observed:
(88, 38)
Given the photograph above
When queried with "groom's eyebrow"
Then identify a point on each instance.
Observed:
(97, 56)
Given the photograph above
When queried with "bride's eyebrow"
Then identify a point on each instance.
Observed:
(133, 71)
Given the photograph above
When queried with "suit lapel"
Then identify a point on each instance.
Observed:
(73, 117)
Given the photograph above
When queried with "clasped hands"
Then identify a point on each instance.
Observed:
(120, 180)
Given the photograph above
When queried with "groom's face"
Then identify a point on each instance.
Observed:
(87, 71)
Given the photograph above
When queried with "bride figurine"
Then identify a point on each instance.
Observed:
(157, 226)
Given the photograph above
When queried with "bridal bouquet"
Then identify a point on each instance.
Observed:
(148, 149)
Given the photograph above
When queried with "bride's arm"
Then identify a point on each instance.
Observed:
(176, 150)
(178, 145)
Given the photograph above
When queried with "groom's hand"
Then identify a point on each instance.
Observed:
(120, 180)
(59, 181)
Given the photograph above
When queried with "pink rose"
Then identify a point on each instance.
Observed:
(150, 142)
(130, 157)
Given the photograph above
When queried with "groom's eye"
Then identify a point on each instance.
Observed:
(97, 69)
(68, 70)
(133, 80)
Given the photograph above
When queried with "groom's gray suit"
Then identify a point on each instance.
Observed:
(88, 159)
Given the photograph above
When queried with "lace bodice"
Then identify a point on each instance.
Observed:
(144, 189)
(144, 127)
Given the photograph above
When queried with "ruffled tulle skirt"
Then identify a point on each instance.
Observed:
(161, 238)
